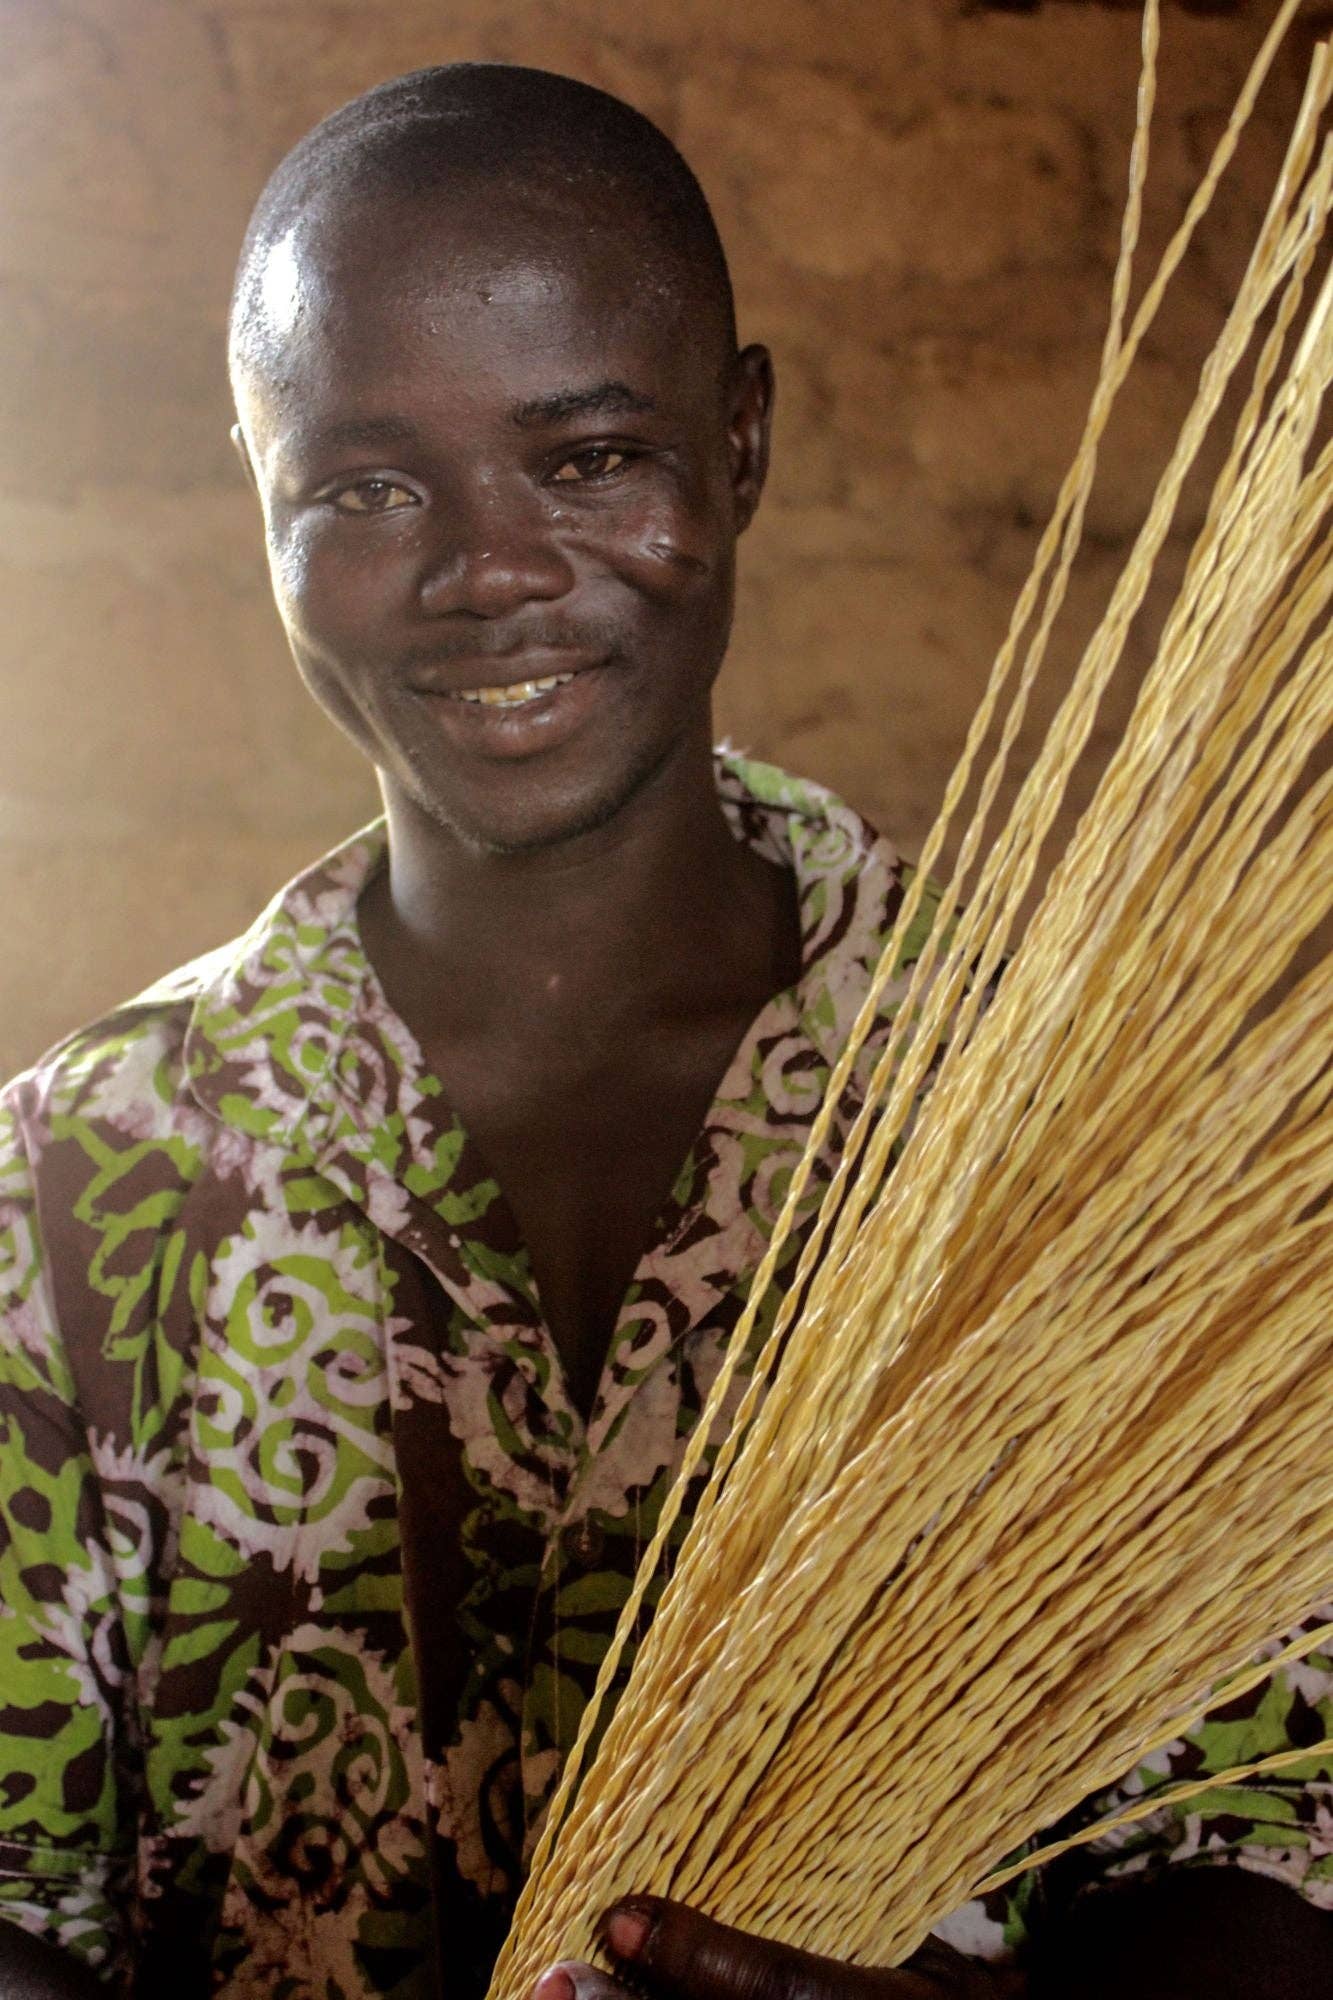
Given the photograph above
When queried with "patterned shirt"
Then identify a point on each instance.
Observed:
(307, 1560)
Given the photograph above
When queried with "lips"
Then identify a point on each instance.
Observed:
(494, 678)
(513, 694)
(522, 714)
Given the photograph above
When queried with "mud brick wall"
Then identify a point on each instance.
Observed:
(921, 199)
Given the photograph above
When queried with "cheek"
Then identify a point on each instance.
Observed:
(323, 590)
(323, 610)
(674, 552)
(289, 566)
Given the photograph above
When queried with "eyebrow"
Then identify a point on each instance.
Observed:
(357, 431)
(605, 399)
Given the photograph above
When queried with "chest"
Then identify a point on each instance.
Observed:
(587, 1151)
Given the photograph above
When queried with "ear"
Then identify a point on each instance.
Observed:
(243, 453)
(749, 424)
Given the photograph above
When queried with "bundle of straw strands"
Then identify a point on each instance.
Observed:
(1043, 1457)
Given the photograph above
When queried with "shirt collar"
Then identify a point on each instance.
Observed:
(292, 1041)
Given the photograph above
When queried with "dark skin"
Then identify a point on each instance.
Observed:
(586, 1133)
(586, 524)
(489, 452)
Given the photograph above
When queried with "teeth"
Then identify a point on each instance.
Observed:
(513, 697)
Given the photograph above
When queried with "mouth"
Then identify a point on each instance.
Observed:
(520, 718)
(516, 695)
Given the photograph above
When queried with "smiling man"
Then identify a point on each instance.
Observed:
(364, 1280)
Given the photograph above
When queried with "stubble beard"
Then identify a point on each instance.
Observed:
(587, 817)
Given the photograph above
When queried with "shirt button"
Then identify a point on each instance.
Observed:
(584, 1543)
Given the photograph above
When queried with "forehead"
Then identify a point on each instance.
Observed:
(512, 296)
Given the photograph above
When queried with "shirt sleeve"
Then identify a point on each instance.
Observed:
(1278, 1824)
(66, 1849)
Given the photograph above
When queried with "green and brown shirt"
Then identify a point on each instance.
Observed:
(307, 1561)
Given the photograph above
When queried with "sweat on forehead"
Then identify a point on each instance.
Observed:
(526, 137)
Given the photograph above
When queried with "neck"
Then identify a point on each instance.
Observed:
(633, 917)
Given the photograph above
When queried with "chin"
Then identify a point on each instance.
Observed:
(547, 820)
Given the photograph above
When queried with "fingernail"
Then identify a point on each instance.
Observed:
(627, 1929)
(554, 1984)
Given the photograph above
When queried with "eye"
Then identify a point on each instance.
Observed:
(599, 461)
(371, 496)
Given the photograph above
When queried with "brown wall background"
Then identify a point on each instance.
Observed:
(921, 199)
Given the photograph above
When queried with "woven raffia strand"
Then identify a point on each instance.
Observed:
(1042, 1457)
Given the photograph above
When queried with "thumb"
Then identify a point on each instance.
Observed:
(669, 1951)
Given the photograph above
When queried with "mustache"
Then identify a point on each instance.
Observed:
(590, 636)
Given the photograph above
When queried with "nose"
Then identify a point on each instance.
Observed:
(491, 553)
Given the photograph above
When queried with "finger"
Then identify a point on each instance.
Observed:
(571, 1979)
(671, 1952)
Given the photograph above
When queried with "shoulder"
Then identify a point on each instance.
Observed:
(764, 801)
(136, 1071)
(852, 879)
(125, 1069)
(106, 1125)
(178, 1086)
(93, 1152)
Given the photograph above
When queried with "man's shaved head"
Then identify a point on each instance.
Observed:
(489, 394)
(492, 130)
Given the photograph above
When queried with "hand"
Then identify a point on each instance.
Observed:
(666, 1951)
